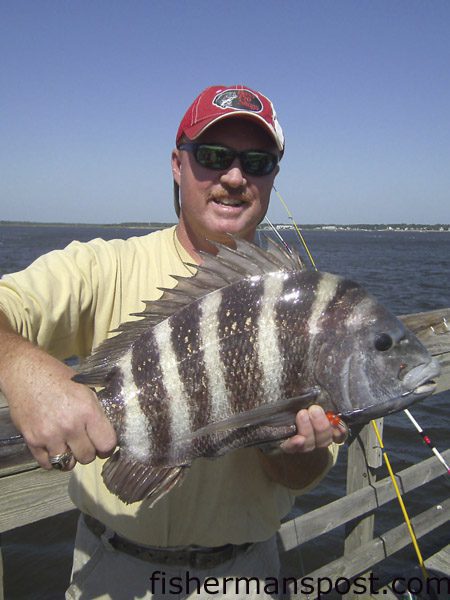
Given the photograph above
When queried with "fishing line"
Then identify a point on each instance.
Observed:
(297, 230)
(385, 455)
(279, 236)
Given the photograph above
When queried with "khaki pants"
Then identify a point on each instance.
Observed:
(101, 572)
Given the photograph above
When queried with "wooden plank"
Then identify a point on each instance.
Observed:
(28, 497)
(14, 457)
(440, 561)
(3, 404)
(362, 454)
(374, 455)
(433, 330)
(385, 592)
(431, 327)
(17, 463)
(438, 569)
(380, 548)
(1, 570)
(339, 512)
(438, 566)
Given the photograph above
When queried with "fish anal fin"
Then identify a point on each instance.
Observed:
(132, 480)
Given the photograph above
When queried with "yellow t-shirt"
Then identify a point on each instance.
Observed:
(67, 302)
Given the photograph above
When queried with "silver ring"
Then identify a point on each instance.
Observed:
(61, 461)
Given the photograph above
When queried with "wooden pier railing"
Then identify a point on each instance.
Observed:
(28, 493)
(362, 550)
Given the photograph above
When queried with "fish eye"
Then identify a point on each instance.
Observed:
(383, 342)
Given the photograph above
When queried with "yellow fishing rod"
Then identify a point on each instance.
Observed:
(377, 433)
(400, 501)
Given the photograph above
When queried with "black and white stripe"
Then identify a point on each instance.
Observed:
(238, 331)
(267, 344)
(135, 436)
(214, 369)
(177, 399)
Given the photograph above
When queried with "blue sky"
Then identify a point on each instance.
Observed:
(92, 93)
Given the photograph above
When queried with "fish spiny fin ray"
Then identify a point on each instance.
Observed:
(216, 272)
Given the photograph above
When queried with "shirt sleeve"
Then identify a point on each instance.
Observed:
(52, 302)
(333, 452)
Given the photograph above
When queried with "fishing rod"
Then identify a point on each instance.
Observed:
(400, 501)
(427, 440)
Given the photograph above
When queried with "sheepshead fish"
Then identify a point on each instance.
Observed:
(226, 358)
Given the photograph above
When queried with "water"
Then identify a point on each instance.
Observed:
(407, 271)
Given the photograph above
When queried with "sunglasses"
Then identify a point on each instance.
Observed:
(220, 158)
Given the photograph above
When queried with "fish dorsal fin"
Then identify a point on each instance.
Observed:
(215, 272)
(287, 257)
(252, 260)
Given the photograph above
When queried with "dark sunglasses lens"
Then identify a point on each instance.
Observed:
(258, 163)
(214, 157)
(217, 157)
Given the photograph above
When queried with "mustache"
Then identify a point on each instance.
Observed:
(221, 194)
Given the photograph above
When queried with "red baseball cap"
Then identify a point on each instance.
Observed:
(220, 101)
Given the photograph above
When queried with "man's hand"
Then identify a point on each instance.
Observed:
(305, 457)
(53, 413)
(314, 430)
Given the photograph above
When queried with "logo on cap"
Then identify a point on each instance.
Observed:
(238, 100)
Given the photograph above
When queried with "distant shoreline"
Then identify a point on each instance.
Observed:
(437, 227)
(99, 225)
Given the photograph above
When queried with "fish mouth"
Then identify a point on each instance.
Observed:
(419, 380)
(425, 389)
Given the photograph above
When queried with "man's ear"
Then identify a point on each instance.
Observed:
(176, 165)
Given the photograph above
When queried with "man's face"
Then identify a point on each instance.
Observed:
(214, 203)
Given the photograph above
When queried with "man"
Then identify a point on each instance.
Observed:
(221, 521)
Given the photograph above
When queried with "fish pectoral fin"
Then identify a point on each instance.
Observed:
(132, 480)
(277, 414)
